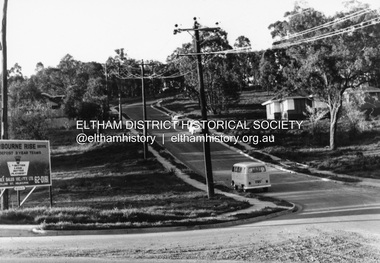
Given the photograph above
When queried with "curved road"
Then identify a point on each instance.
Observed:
(337, 223)
(318, 197)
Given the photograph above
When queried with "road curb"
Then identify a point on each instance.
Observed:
(150, 230)
(154, 106)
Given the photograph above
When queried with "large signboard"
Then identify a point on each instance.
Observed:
(24, 163)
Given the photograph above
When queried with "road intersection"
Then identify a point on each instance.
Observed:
(337, 221)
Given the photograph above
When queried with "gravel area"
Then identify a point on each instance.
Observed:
(324, 247)
(308, 245)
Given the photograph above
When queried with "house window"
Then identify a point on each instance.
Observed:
(291, 105)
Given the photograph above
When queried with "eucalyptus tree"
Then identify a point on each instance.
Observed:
(247, 62)
(329, 63)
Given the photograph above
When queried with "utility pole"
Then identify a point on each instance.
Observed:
(119, 90)
(205, 131)
(120, 52)
(4, 95)
(144, 109)
(143, 95)
(206, 143)
(107, 90)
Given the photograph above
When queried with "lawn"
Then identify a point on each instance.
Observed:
(111, 186)
(249, 106)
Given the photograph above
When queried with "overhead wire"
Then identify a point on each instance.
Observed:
(349, 29)
(328, 24)
(315, 38)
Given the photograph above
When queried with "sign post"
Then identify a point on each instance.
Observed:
(24, 163)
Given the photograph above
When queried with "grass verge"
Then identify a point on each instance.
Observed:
(110, 186)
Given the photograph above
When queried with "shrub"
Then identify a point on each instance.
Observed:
(29, 122)
(356, 120)
(315, 116)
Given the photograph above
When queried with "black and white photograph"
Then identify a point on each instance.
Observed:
(173, 131)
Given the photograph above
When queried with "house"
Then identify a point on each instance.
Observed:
(54, 102)
(58, 117)
(291, 107)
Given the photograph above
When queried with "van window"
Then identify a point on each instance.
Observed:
(237, 169)
(257, 169)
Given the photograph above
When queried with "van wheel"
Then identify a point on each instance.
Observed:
(266, 189)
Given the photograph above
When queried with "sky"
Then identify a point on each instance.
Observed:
(90, 30)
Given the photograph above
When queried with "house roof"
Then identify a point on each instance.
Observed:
(285, 98)
(53, 98)
(291, 95)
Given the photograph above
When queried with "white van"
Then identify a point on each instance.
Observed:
(250, 175)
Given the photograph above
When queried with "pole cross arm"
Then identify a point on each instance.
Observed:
(179, 30)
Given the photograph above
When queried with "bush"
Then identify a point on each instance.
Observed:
(29, 122)
(316, 127)
(356, 120)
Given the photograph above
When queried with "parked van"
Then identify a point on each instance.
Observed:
(250, 175)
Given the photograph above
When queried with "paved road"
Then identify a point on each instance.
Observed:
(336, 220)
(318, 197)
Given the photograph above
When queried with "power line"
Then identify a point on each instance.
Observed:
(349, 29)
(228, 51)
(331, 23)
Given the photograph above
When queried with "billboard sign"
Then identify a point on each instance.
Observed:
(24, 163)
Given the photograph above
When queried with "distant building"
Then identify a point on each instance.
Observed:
(291, 107)
(59, 118)
(55, 102)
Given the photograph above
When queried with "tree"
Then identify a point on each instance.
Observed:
(29, 122)
(73, 101)
(23, 93)
(97, 95)
(49, 80)
(274, 67)
(39, 67)
(29, 114)
(69, 68)
(329, 66)
(185, 66)
(222, 82)
(15, 73)
(247, 64)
